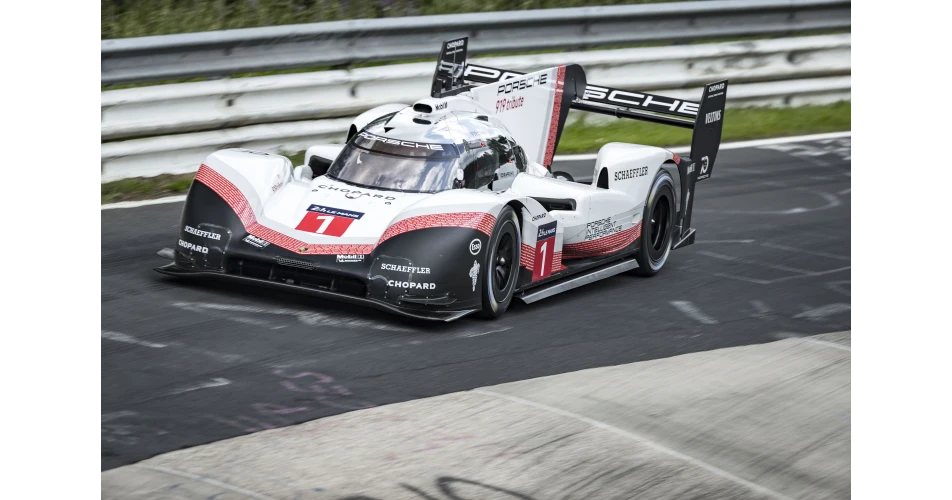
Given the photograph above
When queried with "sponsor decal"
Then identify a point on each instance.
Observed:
(631, 173)
(193, 247)
(634, 99)
(544, 251)
(475, 246)
(704, 164)
(327, 220)
(504, 175)
(715, 88)
(713, 116)
(398, 142)
(505, 104)
(353, 194)
(441, 106)
(350, 258)
(405, 269)
(546, 231)
(277, 186)
(537, 217)
(204, 234)
(601, 228)
(491, 74)
(525, 83)
(411, 285)
(255, 241)
(474, 273)
(455, 43)
(690, 169)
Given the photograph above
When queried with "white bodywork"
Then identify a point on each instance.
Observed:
(278, 196)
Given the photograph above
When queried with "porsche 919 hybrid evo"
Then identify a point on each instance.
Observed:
(447, 206)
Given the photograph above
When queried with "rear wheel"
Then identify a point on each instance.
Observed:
(502, 264)
(657, 226)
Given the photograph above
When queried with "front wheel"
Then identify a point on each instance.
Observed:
(657, 227)
(502, 264)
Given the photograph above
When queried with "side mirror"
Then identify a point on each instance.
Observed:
(505, 174)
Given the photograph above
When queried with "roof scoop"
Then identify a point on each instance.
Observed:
(431, 106)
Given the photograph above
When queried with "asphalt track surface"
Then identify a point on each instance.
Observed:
(187, 364)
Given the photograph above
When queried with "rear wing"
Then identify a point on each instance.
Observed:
(705, 117)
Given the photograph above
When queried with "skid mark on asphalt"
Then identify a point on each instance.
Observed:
(832, 201)
(310, 318)
(792, 272)
(215, 382)
(690, 310)
(821, 313)
(129, 339)
(842, 287)
(812, 151)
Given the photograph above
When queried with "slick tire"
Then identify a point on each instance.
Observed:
(501, 267)
(657, 226)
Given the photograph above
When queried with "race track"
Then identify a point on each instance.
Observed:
(186, 364)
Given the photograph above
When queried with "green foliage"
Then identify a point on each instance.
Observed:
(132, 18)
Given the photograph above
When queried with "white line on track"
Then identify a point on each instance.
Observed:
(215, 382)
(691, 311)
(820, 313)
(128, 339)
(640, 439)
(133, 204)
(589, 156)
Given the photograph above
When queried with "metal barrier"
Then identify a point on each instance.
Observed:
(277, 113)
(222, 53)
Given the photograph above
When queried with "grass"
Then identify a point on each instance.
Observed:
(125, 18)
(581, 137)
(739, 124)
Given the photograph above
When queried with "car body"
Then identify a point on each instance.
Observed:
(447, 207)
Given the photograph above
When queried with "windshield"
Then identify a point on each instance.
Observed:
(384, 163)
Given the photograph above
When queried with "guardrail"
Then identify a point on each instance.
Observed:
(222, 53)
(291, 112)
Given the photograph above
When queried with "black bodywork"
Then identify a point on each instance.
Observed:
(435, 285)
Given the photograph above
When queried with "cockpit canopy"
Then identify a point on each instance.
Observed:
(396, 164)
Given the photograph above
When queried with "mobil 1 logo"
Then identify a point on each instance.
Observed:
(544, 251)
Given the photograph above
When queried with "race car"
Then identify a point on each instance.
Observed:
(447, 207)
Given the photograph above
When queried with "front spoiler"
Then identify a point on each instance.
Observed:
(174, 270)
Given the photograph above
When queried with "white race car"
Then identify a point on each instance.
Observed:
(447, 207)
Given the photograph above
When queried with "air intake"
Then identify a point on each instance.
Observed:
(422, 108)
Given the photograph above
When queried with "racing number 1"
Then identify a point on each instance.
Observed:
(544, 251)
(329, 225)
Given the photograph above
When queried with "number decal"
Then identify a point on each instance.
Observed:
(544, 251)
(542, 272)
(326, 221)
